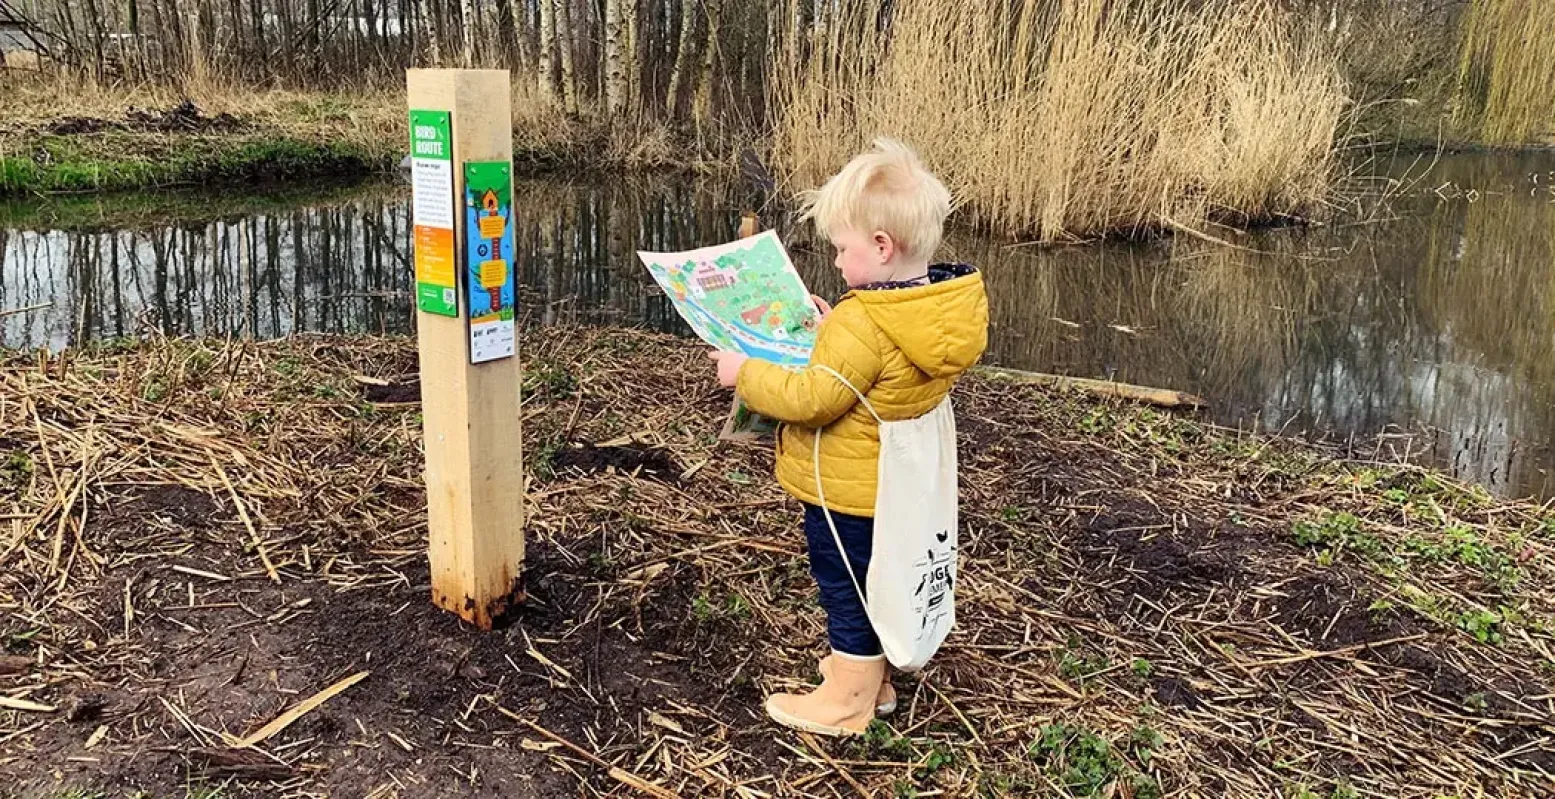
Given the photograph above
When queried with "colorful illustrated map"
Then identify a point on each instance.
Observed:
(744, 296)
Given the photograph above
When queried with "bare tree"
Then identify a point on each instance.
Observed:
(615, 90)
(434, 53)
(634, 53)
(547, 71)
(688, 26)
(518, 12)
(467, 33)
(567, 43)
(702, 108)
(661, 58)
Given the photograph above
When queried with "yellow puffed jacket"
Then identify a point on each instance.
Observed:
(902, 347)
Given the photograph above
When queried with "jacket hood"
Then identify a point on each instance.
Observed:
(942, 327)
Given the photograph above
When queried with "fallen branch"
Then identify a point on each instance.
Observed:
(302, 709)
(1163, 397)
(1201, 235)
(1219, 242)
(16, 311)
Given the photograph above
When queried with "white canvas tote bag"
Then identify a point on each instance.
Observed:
(912, 569)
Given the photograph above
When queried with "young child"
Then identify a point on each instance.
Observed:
(902, 335)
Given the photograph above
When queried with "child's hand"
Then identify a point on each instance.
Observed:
(729, 364)
(821, 304)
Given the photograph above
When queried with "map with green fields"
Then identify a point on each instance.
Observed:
(744, 296)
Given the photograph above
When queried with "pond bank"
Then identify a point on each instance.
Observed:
(105, 140)
(70, 138)
(1331, 332)
(1146, 600)
(64, 137)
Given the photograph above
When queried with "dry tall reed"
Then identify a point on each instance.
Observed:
(1507, 69)
(1073, 118)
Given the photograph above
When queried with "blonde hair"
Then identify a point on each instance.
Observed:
(886, 189)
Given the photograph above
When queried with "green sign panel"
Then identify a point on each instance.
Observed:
(432, 209)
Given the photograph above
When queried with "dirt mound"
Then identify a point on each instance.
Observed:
(68, 126)
(392, 393)
(185, 117)
(582, 460)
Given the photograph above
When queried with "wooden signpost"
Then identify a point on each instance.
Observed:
(474, 463)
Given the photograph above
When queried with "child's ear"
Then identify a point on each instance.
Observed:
(885, 247)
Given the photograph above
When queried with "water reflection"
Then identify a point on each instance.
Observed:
(1438, 322)
(332, 268)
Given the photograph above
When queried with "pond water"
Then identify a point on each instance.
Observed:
(1424, 326)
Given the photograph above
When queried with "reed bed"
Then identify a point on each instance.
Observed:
(1068, 119)
(1506, 69)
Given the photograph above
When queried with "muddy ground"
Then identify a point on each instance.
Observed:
(1148, 606)
(185, 117)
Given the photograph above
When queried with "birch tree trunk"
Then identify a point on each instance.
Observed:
(688, 26)
(795, 28)
(634, 54)
(427, 32)
(467, 33)
(702, 109)
(547, 70)
(615, 92)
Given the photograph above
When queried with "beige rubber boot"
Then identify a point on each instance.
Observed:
(885, 700)
(843, 705)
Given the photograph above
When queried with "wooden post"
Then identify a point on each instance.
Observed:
(470, 412)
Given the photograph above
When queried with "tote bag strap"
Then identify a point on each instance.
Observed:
(863, 400)
(820, 490)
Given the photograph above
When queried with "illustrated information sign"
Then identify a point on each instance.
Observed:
(490, 285)
(432, 209)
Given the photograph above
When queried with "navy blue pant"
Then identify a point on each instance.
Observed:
(847, 625)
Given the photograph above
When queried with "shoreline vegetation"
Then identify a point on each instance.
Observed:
(1127, 118)
(1150, 605)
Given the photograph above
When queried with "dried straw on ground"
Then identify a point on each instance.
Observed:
(196, 538)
